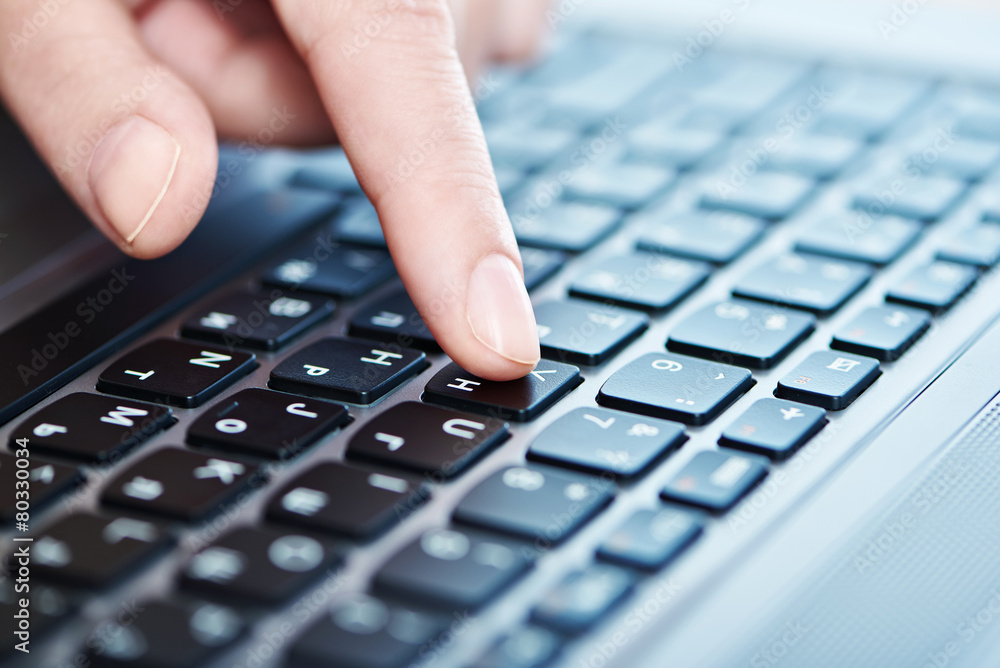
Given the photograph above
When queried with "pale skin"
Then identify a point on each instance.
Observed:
(385, 78)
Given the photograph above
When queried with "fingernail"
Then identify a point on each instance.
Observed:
(500, 312)
(130, 172)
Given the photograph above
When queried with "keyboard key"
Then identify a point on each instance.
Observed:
(428, 439)
(715, 480)
(883, 332)
(978, 246)
(518, 400)
(807, 282)
(85, 550)
(581, 333)
(965, 159)
(537, 504)
(540, 265)
(180, 484)
(525, 647)
(621, 185)
(583, 598)
(668, 145)
(263, 320)
(343, 500)
(332, 268)
(46, 607)
(816, 156)
(327, 169)
(935, 287)
(166, 634)
(357, 223)
(864, 105)
(712, 237)
(645, 281)
(174, 372)
(92, 428)
(364, 632)
(46, 482)
(358, 372)
(598, 440)
(770, 195)
(741, 333)
(569, 226)
(876, 241)
(774, 427)
(525, 147)
(924, 198)
(259, 564)
(265, 423)
(829, 380)
(675, 387)
(650, 539)
(394, 319)
(451, 569)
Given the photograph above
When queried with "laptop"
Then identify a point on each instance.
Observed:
(760, 241)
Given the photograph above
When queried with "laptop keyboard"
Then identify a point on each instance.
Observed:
(294, 461)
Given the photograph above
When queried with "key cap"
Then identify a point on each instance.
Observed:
(451, 568)
(770, 195)
(358, 372)
(364, 632)
(806, 282)
(534, 503)
(965, 159)
(259, 564)
(181, 485)
(46, 607)
(621, 185)
(715, 480)
(345, 501)
(327, 169)
(712, 237)
(598, 440)
(815, 156)
(263, 320)
(774, 428)
(829, 380)
(935, 287)
(524, 147)
(571, 226)
(394, 319)
(428, 439)
(925, 198)
(583, 598)
(670, 145)
(525, 647)
(85, 550)
(850, 237)
(741, 333)
(864, 105)
(518, 400)
(331, 268)
(645, 281)
(178, 373)
(540, 265)
(883, 332)
(978, 246)
(265, 423)
(675, 387)
(92, 428)
(166, 634)
(581, 333)
(357, 223)
(650, 539)
(44, 481)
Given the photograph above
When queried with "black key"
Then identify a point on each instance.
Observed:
(525, 647)
(935, 287)
(883, 332)
(331, 268)
(45, 608)
(582, 333)
(358, 223)
(743, 333)
(564, 226)
(533, 503)
(394, 319)
(90, 551)
(774, 427)
(428, 439)
(815, 155)
(43, 483)
(259, 564)
(518, 400)
(265, 423)
(713, 237)
(715, 480)
(829, 380)
(364, 632)
(583, 598)
(876, 241)
(328, 169)
(358, 372)
(666, 144)
(646, 281)
(806, 282)
(675, 387)
(926, 197)
(768, 195)
(978, 246)
(650, 539)
(622, 185)
(343, 500)
(174, 372)
(180, 484)
(540, 265)
(451, 568)
(264, 320)
(166, 635)
(599, 440)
